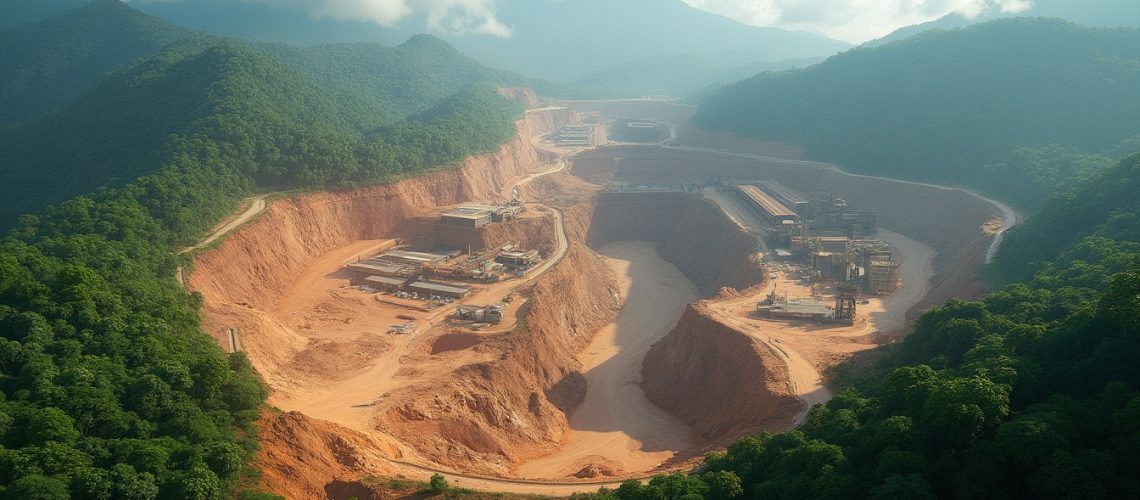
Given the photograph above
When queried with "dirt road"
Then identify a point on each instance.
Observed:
(616, 424)
(916, 269)
(258, 204)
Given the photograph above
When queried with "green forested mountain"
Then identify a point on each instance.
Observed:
(1100, 13)
(1092, 231)
(1031, 392)
(108, 388)
(50, 63)
(397, 81)
(324, 118)
(978, 106)
(17, 12)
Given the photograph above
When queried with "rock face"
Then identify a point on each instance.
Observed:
(296, 230)
(693, 235)
(718, 380)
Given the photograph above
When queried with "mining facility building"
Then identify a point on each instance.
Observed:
(400, 270)
(789, 198)
(763, 203)
(477, 214)
(575, 135)
(466, 217)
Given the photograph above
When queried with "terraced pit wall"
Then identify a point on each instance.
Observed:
(692, 234)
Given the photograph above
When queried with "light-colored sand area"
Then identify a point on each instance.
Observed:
(616, 425)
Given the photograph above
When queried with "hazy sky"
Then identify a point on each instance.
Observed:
(849, 20)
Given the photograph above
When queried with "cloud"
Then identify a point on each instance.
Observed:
(464, 17)
(457, 17)
(852, 20)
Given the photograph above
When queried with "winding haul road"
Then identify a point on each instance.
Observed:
(258, 205)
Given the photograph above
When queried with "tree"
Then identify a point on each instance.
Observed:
(36, 487)
(723, 484)
(438, 483)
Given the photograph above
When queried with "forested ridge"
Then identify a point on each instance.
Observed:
(1030, 392)
(108, 387)
(1014, 107)
(326, 116)
(49, 63)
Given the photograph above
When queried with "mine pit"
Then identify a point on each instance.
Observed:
(605, 321)
(454, 342)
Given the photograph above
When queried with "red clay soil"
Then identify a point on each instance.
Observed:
(507, 399)
(490, 415)
(299, 455)
(533, 231)
(719, 381)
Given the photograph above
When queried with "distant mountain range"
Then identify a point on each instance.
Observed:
(953, 105)
(1096, 13)
(560, 41)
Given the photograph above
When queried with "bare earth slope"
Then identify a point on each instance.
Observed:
(721, 382)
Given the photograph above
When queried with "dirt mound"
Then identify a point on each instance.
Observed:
(299, 455)
(599, 467)
(329, 358)
(718, 380)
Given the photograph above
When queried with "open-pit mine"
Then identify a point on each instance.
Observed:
(565, 313)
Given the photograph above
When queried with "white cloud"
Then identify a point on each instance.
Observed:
(464, 16)
(851, 20)
(445, 16)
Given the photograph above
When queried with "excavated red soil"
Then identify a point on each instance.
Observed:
(300, 455)
(720, 382)
(486, 402)
(492, 414)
